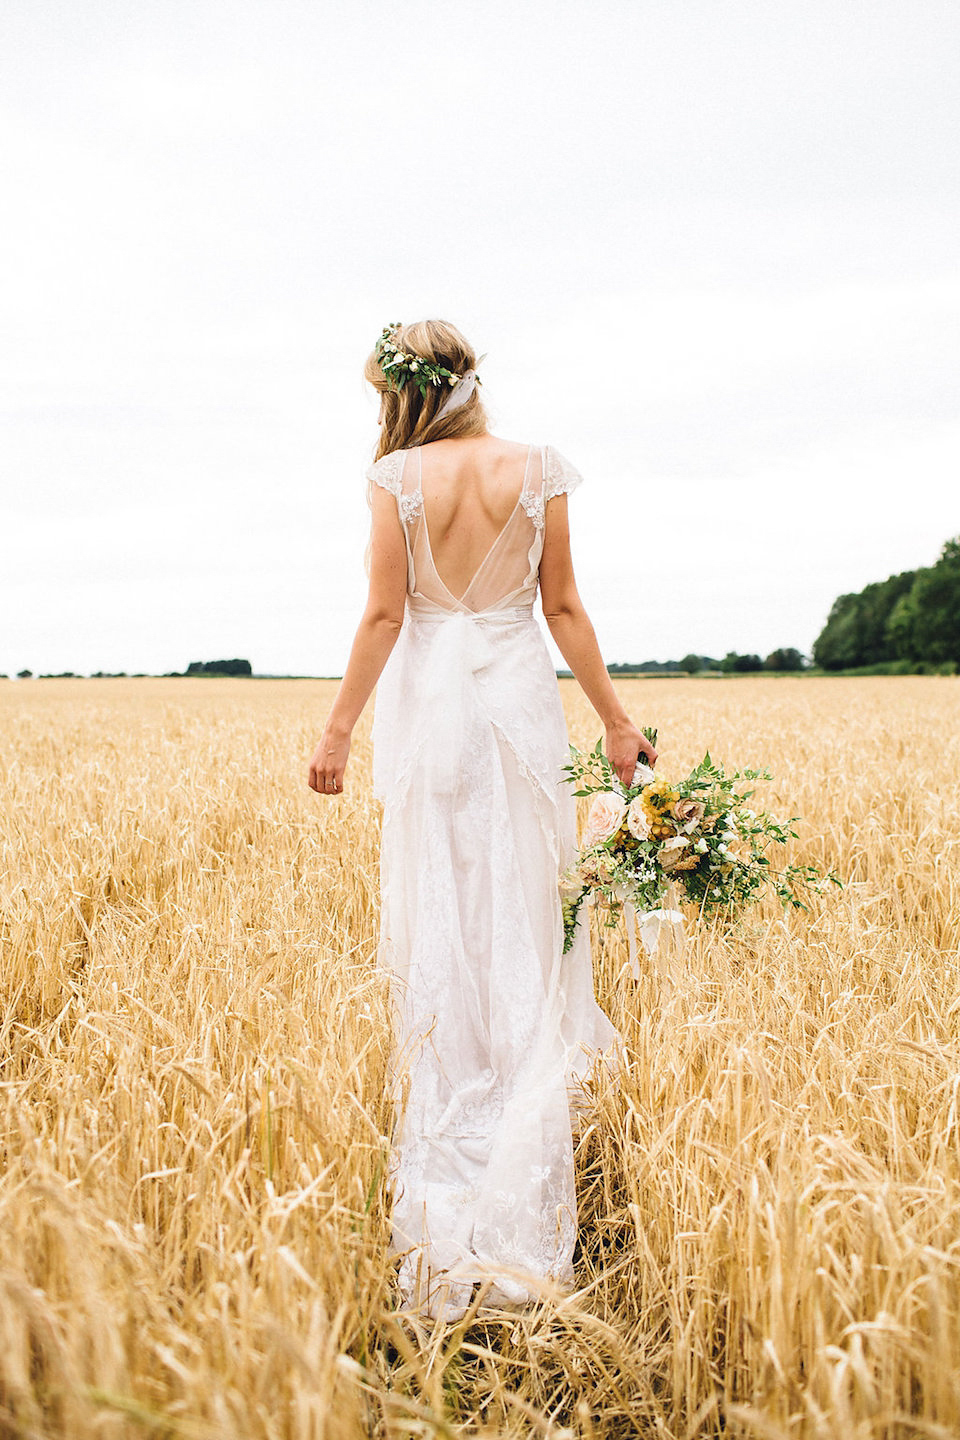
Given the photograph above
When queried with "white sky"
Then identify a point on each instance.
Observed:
(709, 248)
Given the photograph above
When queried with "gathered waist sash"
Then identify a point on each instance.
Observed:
(455, 650)
(510, 615)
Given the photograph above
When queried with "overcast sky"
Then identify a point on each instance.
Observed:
(710, 250)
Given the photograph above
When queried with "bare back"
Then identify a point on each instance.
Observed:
(471, 488)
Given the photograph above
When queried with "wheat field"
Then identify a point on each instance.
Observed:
(193, 1036)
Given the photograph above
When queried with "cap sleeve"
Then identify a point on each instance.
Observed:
(386, 472)
(560, 477)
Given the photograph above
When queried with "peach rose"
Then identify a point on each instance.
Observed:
(605, 818)
(688, 812)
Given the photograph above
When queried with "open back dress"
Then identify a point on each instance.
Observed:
(494, 1024)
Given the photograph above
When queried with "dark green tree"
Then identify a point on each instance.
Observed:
(935, 602)
(786, 659)
(901, 625)
(856, 632)
(219, 667)
(839, 642)
(734, 664)
(692, 664)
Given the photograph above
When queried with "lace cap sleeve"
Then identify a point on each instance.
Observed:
(387, 473)
(560, 477)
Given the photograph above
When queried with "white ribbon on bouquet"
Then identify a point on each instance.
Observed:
(649, 924)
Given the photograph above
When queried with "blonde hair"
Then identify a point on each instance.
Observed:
(409, 418)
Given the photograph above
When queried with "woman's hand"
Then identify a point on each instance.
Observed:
(625, 745)
(329, 762)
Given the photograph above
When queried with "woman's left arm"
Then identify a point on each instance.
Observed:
(570, 627)
(375, 638)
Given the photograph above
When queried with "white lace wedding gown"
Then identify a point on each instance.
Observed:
(495, 1024)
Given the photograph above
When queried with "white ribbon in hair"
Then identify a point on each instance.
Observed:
(459, 394)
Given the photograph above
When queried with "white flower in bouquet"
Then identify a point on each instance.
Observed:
(605, 818)
(638, 822)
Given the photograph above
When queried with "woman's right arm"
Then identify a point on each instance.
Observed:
(375, 638)
(570, 627)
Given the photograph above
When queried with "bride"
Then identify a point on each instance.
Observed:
(494, 1024)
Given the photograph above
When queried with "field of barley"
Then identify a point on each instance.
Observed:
(193, 1035)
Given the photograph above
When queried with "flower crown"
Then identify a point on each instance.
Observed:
(399, 366)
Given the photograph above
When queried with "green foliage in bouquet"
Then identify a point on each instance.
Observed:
(698, 834)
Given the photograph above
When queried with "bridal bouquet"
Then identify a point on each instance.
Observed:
(697, 834)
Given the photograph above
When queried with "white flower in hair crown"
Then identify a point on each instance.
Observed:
(399, 366)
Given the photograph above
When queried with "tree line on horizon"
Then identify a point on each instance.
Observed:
(786, 660)
(907, 623)
(195, 667)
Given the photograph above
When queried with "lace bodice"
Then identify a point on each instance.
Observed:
(507, 575)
